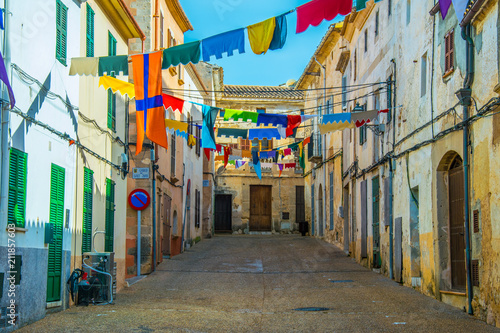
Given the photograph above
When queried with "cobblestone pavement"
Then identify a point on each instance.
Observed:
(253, 284)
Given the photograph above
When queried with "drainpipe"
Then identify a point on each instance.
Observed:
(4, 118)
(391, 179)
(156, 17)
(469, 79)
(153, 194)
(324, 148)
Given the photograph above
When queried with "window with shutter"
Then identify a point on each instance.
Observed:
(111, 95)
(198, 137)
(172, 155)
(90, 31)
(331, 200)
(110, 215)
(56, 217)
(17, 188)
(61, 31)
(88, 180)
(449, 52)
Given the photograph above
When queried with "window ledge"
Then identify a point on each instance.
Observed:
(17, 229)
(449, 292)
(448, 73)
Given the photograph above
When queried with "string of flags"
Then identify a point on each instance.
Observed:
(270, 34)
(147, 87)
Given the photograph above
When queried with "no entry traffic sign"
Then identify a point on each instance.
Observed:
(139, 199)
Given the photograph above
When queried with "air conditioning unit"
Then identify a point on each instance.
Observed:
(100, 286)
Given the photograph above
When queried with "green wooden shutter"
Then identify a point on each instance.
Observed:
(17, 187)
(110, 215)
(90, 31)
(111, 95)
(61, 31)
(87, 210)
(56, 217)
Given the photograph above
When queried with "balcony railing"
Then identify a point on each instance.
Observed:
(314, 149)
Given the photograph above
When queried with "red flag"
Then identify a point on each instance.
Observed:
(227, 152)
(207, 153)
(307, 140)
(293, 122)
(150, 116)
(174, 102)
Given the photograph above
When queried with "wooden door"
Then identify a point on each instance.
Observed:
(223, 213)
(457, 227)
(260, 208)
(300, 212)
(165, 241)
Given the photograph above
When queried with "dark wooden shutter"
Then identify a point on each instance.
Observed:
(387, 202)
(475, 272)
(300, 214)
(331, 200)
(88, 181)
(449, 51)
(364, 222)
(61, 31)
(56, 217)
(172, 155)
(110, 216)
(398, 249)
(90, 31)
(17, 187)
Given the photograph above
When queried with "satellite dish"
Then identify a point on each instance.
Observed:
(290, 82)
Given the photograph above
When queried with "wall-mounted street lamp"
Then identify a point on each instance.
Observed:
(464, 96)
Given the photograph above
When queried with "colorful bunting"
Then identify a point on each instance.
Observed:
(239, 164)
(232, 132)
(5, 79)
(292, 123)
(181, 54)
(243, 115)
(226, 42)
(114, 65)
(125, 88)
(173, 102)
(272, 119)
(207, 131)
(261, 133)
(280, 33)
(314, 12)
(261, 34)
(84, 66)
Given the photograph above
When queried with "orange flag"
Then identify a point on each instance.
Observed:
(150, 116)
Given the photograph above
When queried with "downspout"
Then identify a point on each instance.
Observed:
(156, 17)
(469, 79)
(391, 178)
(153, 195)
(432, 73)
(4, 118)
(324, 147)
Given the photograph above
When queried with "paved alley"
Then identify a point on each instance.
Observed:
(254, 284)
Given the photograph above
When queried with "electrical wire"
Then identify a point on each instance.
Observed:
(28, 79)
(64, 136)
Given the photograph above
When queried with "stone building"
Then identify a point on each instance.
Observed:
(419, 198)
(243, 203)
(164, 24)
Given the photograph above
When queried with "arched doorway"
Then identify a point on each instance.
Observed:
(320, 211)
(451, 222)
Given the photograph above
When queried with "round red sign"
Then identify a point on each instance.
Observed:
(139, 199)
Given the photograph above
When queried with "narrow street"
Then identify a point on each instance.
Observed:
(254, 284)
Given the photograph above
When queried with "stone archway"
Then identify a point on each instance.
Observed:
(451, 222)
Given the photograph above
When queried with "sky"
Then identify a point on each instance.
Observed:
(212, 17)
